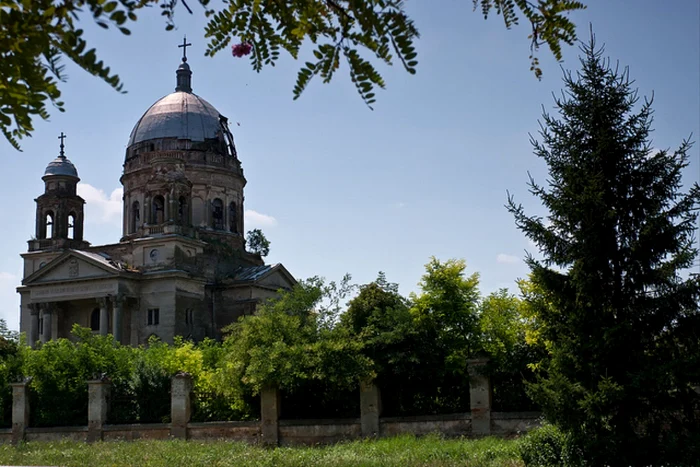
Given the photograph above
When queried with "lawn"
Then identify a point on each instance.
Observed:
(403, 451)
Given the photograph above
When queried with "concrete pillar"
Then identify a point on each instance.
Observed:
(117, 310)
(104, 315)
(180, 407)
(370, 408)
(98, 406)
(479, 396)
(33, 324)
(46, 326)
(269, 415)
(20, 410)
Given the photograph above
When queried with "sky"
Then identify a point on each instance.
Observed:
(338, 188)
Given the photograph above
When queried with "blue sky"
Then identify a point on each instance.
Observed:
(336, 187)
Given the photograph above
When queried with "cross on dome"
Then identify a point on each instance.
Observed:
(184, 46)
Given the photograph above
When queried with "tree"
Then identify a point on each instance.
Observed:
(293, 342)
(504, 328)
(620, 319)
(257, 242)
(37, 35)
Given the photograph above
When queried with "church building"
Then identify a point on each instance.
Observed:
(180, 268)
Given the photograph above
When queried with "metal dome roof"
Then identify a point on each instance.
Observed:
(181, 115)
(61, 166)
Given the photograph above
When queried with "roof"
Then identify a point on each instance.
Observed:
(61, 166)
(181, 115)
(251, 273)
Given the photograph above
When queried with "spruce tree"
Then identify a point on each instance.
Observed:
(622, 323)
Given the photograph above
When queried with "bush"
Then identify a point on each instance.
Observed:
(548, 447)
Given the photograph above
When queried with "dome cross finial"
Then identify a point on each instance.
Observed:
(62, 153)
(184, 46)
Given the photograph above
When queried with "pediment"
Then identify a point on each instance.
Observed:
(277, 278)
(72, 265)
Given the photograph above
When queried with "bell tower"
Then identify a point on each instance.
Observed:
(59, 211)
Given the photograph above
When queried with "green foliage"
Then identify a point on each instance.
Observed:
(400, 451)
(257, 242)
(38, 35)
(548, 22)
(617, 315)
(446, 311)
(60, 370)
(291, 339)
(548, 447)
(503, 330)
(10, 370)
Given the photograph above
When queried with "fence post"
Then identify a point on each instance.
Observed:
(180, 404)
(98, 406)
(479, 396)
(370, 408)
(20, 410)
(269, 415)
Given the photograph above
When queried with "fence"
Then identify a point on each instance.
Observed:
(270, 430)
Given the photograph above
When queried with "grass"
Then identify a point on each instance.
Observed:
(403, 451)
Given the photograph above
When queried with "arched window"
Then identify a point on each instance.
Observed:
(158, 212)
(95, 319)
(217, 214)
(182, 210)
(232, 220)
(48, 224)
(71, 225)
(135, 216)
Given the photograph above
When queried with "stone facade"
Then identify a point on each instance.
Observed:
(180, 267)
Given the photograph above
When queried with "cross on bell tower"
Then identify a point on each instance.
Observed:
(62, 153)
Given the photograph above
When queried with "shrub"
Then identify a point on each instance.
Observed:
(548, 447)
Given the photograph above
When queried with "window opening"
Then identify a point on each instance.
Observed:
(49, 224)
(158, 210)
(153, 316)
(95, 319)
(135, 216)
(71, 225)
(217, 214)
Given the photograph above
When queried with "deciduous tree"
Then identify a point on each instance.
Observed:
(36, 35)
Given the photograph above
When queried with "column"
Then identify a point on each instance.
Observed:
(98, 406)
(370, 407)
(20, 410)
(117, 310)
(479, 396)
(167, 212)
(180, 408)
(269, 415)
(33, 324)
(104, 315)
(147, 209)
(46, 327)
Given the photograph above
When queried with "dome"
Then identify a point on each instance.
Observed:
(61, 166)
(180, 115)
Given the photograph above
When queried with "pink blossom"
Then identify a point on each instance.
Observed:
(241, 49)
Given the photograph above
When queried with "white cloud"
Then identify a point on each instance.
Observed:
(256, 220)
(100, 208)
(507, 259)
(400, 205)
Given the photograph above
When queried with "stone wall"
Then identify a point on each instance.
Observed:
(270, 430)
